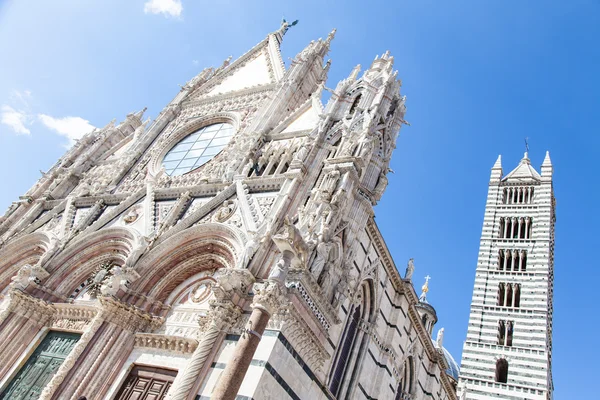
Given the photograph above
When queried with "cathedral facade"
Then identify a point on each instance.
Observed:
(225, 250)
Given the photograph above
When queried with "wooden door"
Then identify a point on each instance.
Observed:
(146, 383)
(41, 366)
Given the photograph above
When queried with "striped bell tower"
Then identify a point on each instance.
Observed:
(508, 350)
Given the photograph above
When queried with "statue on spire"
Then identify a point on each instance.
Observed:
(425, 289)
(286, 25)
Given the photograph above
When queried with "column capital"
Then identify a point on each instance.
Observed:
(222, 316)
(270, 296)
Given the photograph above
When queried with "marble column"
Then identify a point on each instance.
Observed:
(268, 298)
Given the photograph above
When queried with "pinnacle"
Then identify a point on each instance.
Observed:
(547, 162)
(498, 163)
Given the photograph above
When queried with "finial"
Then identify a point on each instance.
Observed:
(354, 73)
(526, 145)
(425, 289)
(330, 37)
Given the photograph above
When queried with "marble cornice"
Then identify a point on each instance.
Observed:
(230, 95)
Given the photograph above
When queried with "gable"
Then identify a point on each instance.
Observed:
(254, 73)
(305, 121)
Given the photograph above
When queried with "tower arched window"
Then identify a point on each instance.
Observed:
(502, 371)
(501, 294)
(524, 260)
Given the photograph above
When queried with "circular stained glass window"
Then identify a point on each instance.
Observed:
(197, 148)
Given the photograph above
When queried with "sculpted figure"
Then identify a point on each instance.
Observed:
(440, 338)
(249, 250)
(27, 274)
(53, 248)
(365, 145)
(410, 268)
(138, 250)
(118, 276)
(330, 182)
(323, 249)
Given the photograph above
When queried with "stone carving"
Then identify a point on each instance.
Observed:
(249, 250)
(410, 269)
(270, 296)
(165, 342)
(132, 215)
(225, 211)
(289, 238)
(28, 274)
(440, 338)
(232, 280)
(119, 278)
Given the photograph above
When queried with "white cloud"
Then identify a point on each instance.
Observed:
(15, 119)
(171, 8)
(70, 127)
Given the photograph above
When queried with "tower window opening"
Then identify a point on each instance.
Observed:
(501, 260)
(502, 371)
(501, 293)
(505, 333)
(523, 260)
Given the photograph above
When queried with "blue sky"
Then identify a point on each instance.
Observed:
(480, 76)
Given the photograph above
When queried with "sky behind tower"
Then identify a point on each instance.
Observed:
(480, 77)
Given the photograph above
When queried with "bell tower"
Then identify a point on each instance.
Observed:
(508, 349)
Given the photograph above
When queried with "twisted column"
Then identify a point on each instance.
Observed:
(221, 316)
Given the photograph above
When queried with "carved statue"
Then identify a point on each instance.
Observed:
(27, 274)
(301, 153)
(119, 276)
(225, 211)
(323, 250)
(279, 271)
(410, 268)
(249, 250)
(289, 238)
(53, 248)
(440, 338)
(365, 145)
(138, 250)
(330, 182)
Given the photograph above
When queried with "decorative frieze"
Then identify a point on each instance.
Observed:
(165, 342)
